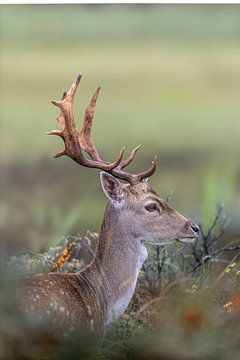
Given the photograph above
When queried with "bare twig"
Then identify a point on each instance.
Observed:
(212, 256)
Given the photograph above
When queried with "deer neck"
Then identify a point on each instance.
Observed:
(118, 260)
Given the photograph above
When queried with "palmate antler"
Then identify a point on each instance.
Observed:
(76, 141)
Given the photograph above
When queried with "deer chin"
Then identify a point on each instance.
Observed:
(159, 243)
(186, 240)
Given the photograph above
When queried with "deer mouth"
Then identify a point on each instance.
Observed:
(187, 240)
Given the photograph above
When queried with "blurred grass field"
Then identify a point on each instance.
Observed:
(170, 81)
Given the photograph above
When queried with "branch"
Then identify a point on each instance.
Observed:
(210, 257)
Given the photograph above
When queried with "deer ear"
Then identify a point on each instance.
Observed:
(112, 188)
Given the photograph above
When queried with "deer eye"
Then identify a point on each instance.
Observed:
(151, 207)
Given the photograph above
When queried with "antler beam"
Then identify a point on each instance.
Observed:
(76, 142)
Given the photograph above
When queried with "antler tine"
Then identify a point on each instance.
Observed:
(131, 157)
(68, 97)
(117, 163)
(150, 171)
(67, 123)
(64, 95)
(73, 88)
(84, 136)
(61, 123)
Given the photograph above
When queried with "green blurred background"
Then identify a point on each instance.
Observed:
(170, 80)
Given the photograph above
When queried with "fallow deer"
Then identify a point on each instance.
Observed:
(91, 299)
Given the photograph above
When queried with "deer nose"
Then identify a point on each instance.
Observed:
(195, 228)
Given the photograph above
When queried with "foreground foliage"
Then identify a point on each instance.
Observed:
(186, 304)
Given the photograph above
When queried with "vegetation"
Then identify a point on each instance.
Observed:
(186, 296)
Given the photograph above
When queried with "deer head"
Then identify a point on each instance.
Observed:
(147, 216)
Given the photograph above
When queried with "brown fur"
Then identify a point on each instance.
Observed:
(85, 301)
